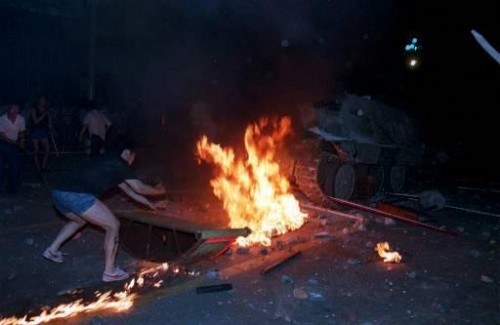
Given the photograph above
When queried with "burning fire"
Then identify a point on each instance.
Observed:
(389, 257)
(115, 302)
(254, 192)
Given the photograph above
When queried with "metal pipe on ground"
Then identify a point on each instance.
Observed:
(317, 209)
(389, 215)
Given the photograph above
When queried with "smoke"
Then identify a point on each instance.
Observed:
(239, 59)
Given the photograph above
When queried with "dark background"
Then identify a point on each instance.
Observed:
(246, 59)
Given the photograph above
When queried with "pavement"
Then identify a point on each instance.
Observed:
(335, 278)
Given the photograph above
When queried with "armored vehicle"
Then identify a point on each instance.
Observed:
(358, 147)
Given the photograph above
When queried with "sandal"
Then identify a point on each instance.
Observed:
(118, 275)
(54, 257)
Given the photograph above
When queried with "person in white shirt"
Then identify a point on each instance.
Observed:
(12, 138)
(97, 125)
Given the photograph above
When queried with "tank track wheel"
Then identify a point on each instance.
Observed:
(310, 171)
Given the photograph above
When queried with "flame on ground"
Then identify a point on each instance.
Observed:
(254, 192)
(116, 302)
(389, 257)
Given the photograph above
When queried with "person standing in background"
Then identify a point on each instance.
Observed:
(97, 124)
(12, 137)
(40, 124)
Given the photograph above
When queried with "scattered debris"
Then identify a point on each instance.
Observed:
(243, 250)
(300, 293)
(280, 261)
(313, 281)
(314, 296)
(264, 251)
(411, 274)
(323, 234)
(389, 222)
(432, 200)
(285, 279)
(214, 288)
(295, 240)
(212, 275)
(487, 279)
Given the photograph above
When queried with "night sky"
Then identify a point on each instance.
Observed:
(246, 59)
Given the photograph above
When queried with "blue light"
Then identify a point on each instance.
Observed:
(414, 40)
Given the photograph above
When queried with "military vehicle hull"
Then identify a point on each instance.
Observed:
(359, 148)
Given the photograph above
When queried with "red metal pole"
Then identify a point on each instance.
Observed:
(389, 215)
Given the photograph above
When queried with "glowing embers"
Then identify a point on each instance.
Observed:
(254, 192)
(389, 257)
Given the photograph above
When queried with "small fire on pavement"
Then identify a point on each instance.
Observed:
(253, 190)
(389, 257)
(116, 302)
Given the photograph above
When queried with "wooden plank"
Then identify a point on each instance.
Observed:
(164, 220)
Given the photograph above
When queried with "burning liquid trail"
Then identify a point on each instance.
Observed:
(117, 302)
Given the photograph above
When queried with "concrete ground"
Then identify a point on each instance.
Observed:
(337, 278)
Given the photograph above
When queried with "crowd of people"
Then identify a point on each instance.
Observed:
(75, 194)
(31, 132)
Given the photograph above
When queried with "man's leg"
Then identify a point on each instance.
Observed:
(95, 145)
(100, 215)
(36, 150)
(46, 152)
(68, 230)
(14, 160)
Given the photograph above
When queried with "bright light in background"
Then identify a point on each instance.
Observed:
(413, 52)
(412, 46)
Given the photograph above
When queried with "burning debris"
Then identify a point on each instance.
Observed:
(117, 302)
(389, 257)
(254, 192)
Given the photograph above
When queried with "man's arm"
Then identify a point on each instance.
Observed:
(139, 187)
(134, 196)
(3, 137)
(40, 118)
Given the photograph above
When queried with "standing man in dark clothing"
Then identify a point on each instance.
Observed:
(12, 135)
(76, 194)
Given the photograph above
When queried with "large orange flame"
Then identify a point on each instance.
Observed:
(254, 192)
